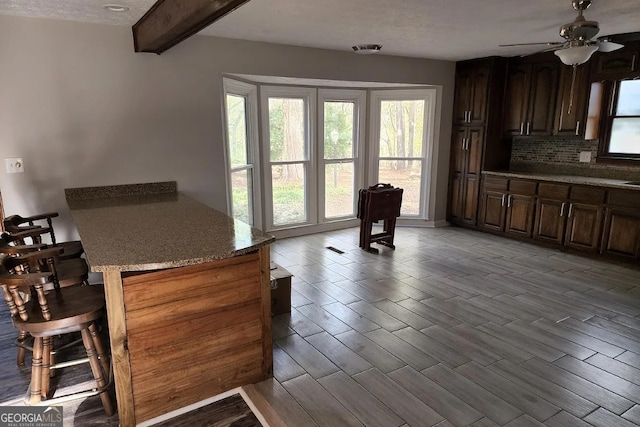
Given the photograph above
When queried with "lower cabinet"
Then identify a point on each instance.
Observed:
(622, 233)
(508, 206)
(573, 217)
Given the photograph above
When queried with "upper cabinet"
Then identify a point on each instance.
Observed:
(615, 65)
(572, 101)
(531, 95)
(472, 92)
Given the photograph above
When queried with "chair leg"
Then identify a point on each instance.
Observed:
(96, 368)
(46, 364)
(102, 354)
(22, 337)
(36, 372)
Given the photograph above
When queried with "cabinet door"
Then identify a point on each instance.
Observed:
(456, 185)
(479, 96)
(519, 215)
(470, 199)
(458, 151)
(516, 104)
(622, 62)
(584, 224)
(622, 233)
(463, 94)
(493, 210)
(475, 142)
(550, 219)
(573, 97)
(542, 98)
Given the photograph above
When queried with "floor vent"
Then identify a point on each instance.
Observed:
(338, 251)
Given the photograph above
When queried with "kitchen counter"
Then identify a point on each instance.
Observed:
(155, 230)
(568, 179)
(187, 292)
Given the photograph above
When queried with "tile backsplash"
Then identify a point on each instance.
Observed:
(547, 150)
(562, 156)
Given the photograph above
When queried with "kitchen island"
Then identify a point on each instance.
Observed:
(187, 295)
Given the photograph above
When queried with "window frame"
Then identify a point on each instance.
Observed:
(429, 136)
(309, 97)
(358, 97)
(250, 93)
(611, 91)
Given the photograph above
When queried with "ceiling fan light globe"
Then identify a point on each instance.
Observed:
(607, 46)
(575, 55)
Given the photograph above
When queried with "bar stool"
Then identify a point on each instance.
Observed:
(56, 312)
(15, 224)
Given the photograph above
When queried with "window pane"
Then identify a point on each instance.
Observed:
(625, 136)
(406, 174)
(237, 132)
(629, 98)
(338, 130)
(288, 186)
(401, 128)
(338, 190)
(287, 125)
(241, 198)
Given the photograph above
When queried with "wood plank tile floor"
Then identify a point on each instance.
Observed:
(453, 328)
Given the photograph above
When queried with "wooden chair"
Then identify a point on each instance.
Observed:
(38, 258)
(55, 312)
(16, 224)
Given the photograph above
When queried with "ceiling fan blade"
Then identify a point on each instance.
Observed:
(606, 46)
(532, 44)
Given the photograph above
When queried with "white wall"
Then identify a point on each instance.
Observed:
(83, 109)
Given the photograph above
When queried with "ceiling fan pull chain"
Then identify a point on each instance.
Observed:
(573, 83)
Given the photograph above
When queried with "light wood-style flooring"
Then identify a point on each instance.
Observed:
(453, 328)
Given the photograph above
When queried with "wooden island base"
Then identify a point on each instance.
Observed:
(189, 333)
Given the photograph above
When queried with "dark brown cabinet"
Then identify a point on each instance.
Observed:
(621, 235)
(570, 216)
(615, 65)
(508, 206)
(531, 96)
(472, 87)
(572, 101)
(466, 163)
(478, 98)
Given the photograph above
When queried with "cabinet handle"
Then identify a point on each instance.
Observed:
(570, 210)
(466, 116)
(528, 128)
(521, 128)
(503, 200)
(578, 128)
(509, 201)
(562, 209)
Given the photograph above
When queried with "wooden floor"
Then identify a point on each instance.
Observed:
(454, 327)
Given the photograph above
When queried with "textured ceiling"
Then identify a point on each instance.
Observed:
(439, 29)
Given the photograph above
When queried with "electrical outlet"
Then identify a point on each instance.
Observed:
(14, 165)
(585, 156)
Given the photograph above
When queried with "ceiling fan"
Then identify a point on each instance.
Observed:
(579, 44)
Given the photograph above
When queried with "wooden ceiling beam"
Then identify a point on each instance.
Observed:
(169, 22)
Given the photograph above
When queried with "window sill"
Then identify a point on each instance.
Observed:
(619, 160)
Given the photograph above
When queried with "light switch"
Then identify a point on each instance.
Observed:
(14, 165)
(585, 156)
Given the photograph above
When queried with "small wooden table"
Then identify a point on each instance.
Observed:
(187, 293)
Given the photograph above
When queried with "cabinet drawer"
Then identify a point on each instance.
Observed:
(625, 198)
(496, 183)
(588, 194)
(522, 187)
(553, 191)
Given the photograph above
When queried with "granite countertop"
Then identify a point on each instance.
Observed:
(569, 179)
(139, 231)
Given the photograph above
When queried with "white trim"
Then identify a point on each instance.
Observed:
(308, 95)
(358, 97)
(430, 131)
(205, 402)
(250, 93)
(295, 231)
